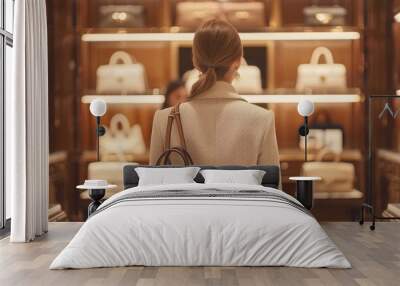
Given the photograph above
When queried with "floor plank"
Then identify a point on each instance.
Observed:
(375, 257)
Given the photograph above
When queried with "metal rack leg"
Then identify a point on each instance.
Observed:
(372, 211)
(362, 215)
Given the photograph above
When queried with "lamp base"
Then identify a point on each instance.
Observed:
(305, 190)
(96, 195)
(305, 193)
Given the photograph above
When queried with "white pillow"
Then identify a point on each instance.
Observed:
(166, 176)
(247, 177)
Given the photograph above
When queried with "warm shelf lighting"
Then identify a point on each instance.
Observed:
(126, 99)
(264, 36)
(295, 98)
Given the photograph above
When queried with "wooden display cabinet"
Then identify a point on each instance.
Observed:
(327, 207)
(285, 43)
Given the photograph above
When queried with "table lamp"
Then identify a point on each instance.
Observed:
(305, 108)
(98, 108)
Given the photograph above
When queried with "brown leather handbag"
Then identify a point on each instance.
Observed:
(181, 151)
(245, 16)
(191, 14)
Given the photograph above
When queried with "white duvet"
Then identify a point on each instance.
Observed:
(200, 231)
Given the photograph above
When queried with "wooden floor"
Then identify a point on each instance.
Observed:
(375, 257)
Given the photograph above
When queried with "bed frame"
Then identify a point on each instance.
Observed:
(270, 179)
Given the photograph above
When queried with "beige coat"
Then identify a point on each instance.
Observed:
(220, 128)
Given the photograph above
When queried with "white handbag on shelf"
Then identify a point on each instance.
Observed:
(249, 81)
(122, 75)
(121, 140)
(321, 76)
(190, 77)
(331, 138)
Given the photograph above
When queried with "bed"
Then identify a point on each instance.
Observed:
(198, 224)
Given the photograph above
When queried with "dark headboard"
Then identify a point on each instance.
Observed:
(271, 177)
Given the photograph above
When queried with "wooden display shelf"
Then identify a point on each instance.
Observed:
(267, 96)
(138, 99)
(89, 156)
(351, 95)
(174, 34)
(337, 209)
(298, 155)
(180, 30)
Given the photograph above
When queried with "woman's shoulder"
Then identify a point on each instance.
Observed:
(162, 113)
(255, 111)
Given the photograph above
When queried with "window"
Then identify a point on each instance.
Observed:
(6, 65)
(9, 15)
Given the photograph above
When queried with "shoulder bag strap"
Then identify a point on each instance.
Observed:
(174, 115)
(179, 126)
(181, 150)
(164, 158)
(169, 130)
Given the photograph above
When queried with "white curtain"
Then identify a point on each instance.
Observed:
(27, 145)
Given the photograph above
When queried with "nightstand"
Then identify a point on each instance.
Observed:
(304, 190)
(97, 190)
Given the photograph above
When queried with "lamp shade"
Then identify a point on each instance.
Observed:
(305, 107)
(397, 17)
(98, 107)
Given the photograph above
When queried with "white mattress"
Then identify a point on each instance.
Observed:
(191, 231)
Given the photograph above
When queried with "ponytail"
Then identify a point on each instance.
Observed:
(216, 45)
(205, 82)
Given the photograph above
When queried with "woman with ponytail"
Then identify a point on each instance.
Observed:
(218, 125)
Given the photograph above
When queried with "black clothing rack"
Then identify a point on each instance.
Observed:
(368, 204)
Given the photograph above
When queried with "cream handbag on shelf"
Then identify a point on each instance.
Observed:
(249, 80)
(336, 176)
(321, 76)
(331, 138)
(121, 140)
(190, 77)
(122, 75)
